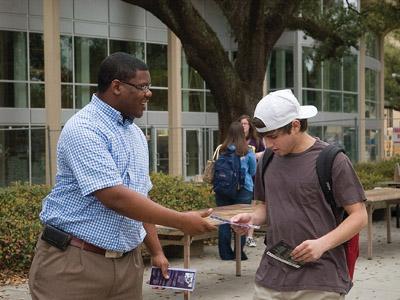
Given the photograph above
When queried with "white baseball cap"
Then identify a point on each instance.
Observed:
(279, 108)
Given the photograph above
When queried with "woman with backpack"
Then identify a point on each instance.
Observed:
(254, 140)
(234, 153)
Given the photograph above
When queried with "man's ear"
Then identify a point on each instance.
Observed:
(116, 87)
(296, 126)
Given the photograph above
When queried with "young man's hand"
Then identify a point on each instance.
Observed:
(309, 250)
(243, 218)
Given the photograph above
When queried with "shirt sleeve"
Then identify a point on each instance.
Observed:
(86, 153)
(346, 186)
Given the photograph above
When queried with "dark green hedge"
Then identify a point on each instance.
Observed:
(20, 205)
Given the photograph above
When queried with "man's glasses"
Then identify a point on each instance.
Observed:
(143, 88)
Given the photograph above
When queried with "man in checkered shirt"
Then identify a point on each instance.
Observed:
(90, 247)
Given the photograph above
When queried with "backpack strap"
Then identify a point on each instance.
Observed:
(266, 159)
(324, 172)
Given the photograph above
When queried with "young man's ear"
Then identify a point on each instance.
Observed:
(296, 126)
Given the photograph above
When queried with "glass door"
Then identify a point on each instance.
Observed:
(192, 153)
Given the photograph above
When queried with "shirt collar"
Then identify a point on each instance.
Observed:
(111, 112)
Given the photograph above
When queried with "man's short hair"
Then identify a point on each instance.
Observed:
(119, 65)
(284, 129)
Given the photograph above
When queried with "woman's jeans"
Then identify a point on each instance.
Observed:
(243, 196)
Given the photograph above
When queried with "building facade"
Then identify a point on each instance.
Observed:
(347, 94)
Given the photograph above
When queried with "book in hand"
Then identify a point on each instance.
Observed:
(281, 251)
(179, 279)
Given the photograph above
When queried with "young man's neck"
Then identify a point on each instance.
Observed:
(304, 142)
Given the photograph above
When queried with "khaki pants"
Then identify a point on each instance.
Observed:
(78, 274)
(262, 293)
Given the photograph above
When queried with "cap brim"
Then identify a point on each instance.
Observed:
(307, 111)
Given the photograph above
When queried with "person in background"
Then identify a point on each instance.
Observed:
(254, 140)
(235, 141)
(295, 209)
(98, 213)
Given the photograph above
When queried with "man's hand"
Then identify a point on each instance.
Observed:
(309, 250)
(243, 218)
(159, 260)
(193, 222)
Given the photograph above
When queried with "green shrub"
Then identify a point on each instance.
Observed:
(173, 192)
(20, 205)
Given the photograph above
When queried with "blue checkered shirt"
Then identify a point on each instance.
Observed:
(97, 149)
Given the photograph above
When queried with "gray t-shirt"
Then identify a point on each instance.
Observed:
(297, 211)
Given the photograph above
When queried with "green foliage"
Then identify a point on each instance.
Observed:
(173, 192)
(392, 66)
(372, 173)
(20, 205)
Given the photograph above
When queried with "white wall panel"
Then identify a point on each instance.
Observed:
(127, 33)
(125, 13)
(152, 21)
(157, 36)
(36, 23)
(92, 29)
(14, 6)
(13, 21)
(66, 8)
(91, 10)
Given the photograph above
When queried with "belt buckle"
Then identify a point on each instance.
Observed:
(113, 254)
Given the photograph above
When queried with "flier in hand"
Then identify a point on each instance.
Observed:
(179, 279)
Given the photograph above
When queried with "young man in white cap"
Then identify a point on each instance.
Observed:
(295, 209)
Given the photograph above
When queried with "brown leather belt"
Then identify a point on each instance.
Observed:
(86, 246)
(81, 244)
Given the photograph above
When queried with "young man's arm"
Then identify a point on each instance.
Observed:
(153, 245)
(311, 250)
(257, 217)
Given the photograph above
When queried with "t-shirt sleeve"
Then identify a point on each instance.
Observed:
(347, 188)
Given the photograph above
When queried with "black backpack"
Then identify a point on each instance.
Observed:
(324, 172)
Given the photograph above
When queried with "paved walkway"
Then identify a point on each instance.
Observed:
(378, 278)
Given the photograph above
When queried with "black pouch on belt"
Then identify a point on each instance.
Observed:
(56, 237)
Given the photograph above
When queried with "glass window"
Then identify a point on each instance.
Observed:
(311, 70)
(83, 95)
(66, 58)
(89, 53)
(313, 98)
(157, 62)
(315, 131)
(350, 77)
(281, 69)
(370, 110)
(13, 94)
(350, 142)
(332, 102)
(159, 100)
(371, 83)
(36, 56)
(134, 48)
(193, 101)
(192, 152)
(162, 151)
(210, 102)
(38, 154)
(37, 95)
(350, 103)
(14, 155)
(371, 144)
(13, 55)
(67, 100)
(371, 45)
(190, 77)
(332, 71)
(334, 136)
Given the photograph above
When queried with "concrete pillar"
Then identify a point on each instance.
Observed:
(52, 71)
(174, 105)
(361, 101)
(381, 101)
